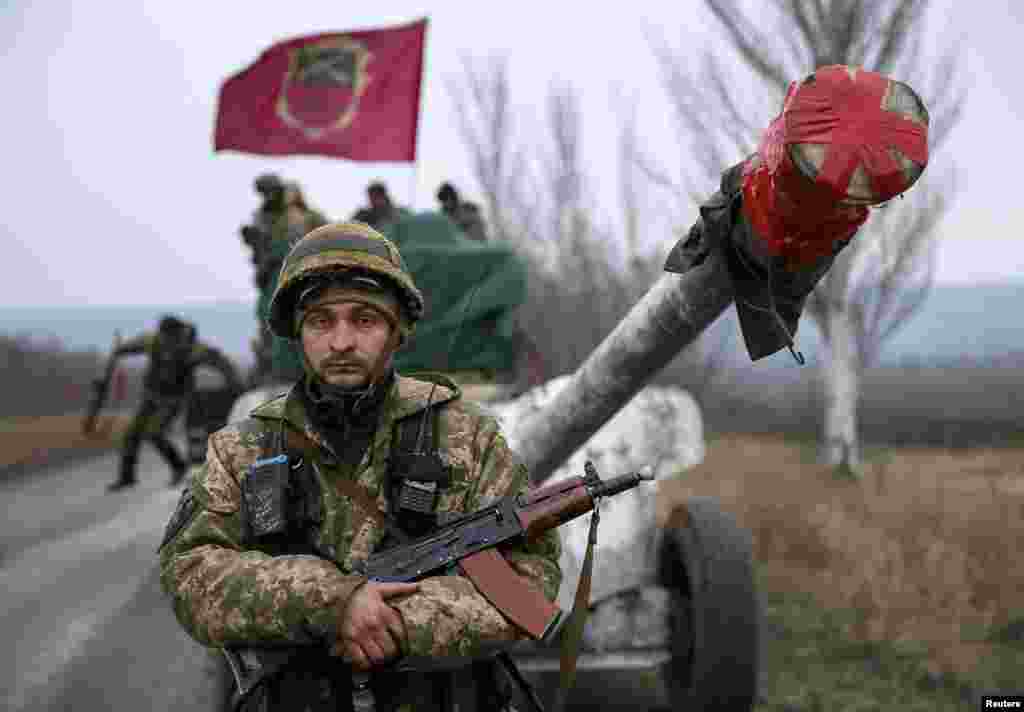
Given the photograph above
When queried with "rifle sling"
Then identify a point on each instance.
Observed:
(296, 442)
(572, 634)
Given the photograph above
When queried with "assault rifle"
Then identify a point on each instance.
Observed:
(470, 542)
(100, 389)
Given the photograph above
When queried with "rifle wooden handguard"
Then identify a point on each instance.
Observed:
(553, 506)
(509, 592)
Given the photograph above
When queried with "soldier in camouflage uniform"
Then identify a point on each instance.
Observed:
(381, 210)
(346, 297)
(463, 213)
(174, 354)
(257, 234)
(283, 218)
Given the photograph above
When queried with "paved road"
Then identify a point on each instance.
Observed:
(86, 625)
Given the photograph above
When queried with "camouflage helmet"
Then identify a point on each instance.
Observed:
(340, 248)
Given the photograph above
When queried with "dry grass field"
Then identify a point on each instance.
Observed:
(31, 441)
(923, 553)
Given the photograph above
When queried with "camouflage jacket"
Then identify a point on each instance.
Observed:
(225, 593)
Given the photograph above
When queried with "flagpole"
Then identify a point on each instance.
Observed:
(415, 154)
(412, 187)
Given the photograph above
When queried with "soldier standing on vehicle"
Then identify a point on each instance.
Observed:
(289, 218)
(248, 563)
(258, 234)
(174, 354)
(462, 212)
(381, 209)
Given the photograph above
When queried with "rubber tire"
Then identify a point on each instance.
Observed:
(706, 560)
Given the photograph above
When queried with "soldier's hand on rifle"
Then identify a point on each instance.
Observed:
(371, 631)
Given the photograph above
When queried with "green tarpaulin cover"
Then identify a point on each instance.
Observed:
(477, 284)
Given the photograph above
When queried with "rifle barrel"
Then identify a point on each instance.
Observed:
(614, 486)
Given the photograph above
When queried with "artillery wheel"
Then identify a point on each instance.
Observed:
(706, 561)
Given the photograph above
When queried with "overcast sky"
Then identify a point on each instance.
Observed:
(113, 195)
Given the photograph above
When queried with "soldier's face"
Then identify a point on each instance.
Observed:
(347, 343)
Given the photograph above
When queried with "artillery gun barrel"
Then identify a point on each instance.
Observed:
(799, 207)
(667, 319)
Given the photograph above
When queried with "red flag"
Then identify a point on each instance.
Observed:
(353, 95)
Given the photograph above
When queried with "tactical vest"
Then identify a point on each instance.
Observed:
(281, 514)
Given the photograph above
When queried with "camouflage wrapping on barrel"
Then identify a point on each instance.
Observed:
(846, 139)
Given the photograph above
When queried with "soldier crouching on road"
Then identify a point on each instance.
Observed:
(174, 355)
(263, 550)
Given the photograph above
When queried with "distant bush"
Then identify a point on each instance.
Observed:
(934, 405)
(39, 376)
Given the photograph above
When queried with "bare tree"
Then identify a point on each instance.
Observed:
(730, 95)
(629, 192)
(584, 276)
(485, 115)
(537, 196)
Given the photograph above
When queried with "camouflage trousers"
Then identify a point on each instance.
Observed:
(151, 422)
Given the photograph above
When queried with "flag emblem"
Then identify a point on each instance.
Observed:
(322, 86)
